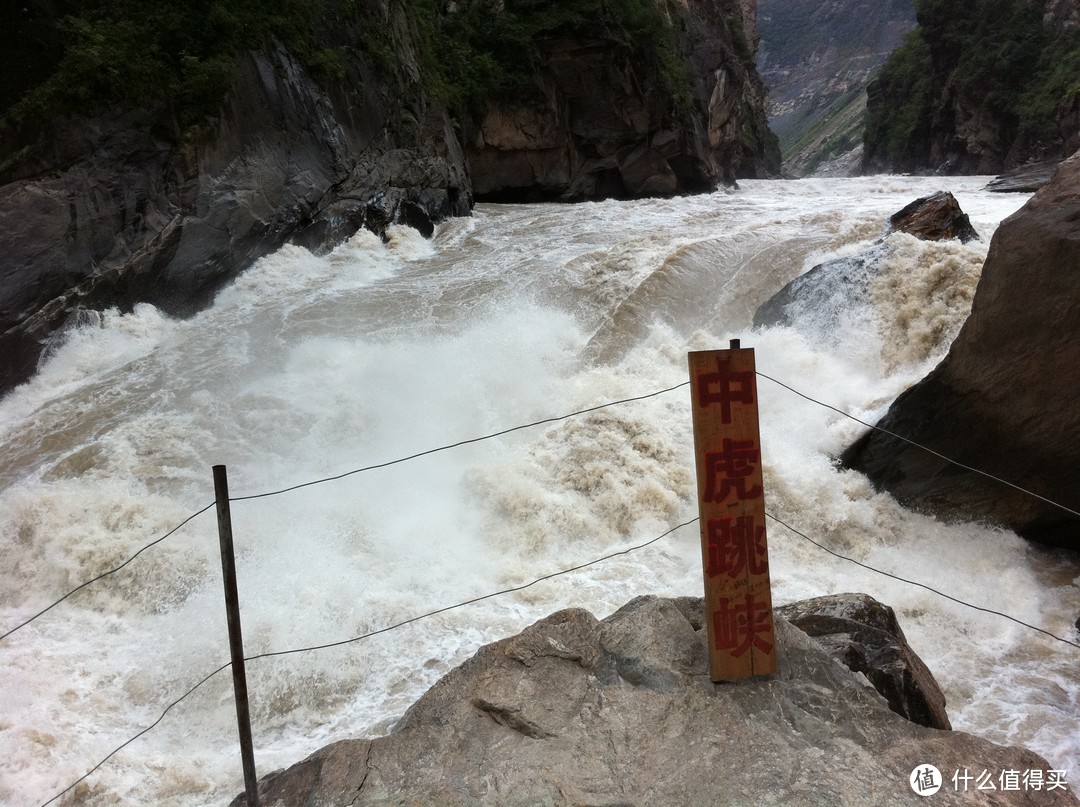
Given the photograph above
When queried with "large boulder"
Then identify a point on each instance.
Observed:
(575, 711)
(835, 290)
(1005, 400)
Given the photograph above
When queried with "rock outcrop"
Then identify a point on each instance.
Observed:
(937, 217)
(112, 210)
(863, 635)
(979, 88)
(1005, 399)
(594, 124)
(575, 711)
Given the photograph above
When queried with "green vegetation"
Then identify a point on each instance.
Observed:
(181, 54)
(141, 51)
(992, 54)
(483, 54)
(896, 128)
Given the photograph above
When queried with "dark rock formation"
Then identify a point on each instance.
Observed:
(937, 217)
(126, 205)
(1026, 178)
(595, 125)
(112, 211)
(1005, 399)
(863, 635)
(573, 711)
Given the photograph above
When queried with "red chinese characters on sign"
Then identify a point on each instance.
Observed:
(727, 471)
(738, 601)
(736, 545)
(725, 387)
(740, 625)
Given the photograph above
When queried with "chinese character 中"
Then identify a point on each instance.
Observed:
(738, 626)
(726, 471)
(720, 387)
(735, 546)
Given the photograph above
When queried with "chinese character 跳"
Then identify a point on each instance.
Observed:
(736, 546)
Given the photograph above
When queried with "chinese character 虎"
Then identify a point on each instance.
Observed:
(726, 471)
(724, 392)
(736, 545)
(738, 626)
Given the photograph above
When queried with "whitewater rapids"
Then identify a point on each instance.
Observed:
(309, 367)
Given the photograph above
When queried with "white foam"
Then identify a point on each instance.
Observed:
(310, 367)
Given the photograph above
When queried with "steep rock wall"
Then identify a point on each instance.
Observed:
(126, 205)
(979, 88)
(596, 124)
(117, 208)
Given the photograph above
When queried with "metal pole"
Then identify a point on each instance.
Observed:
(236, 641)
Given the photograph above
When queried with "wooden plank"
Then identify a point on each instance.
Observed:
(731, 497)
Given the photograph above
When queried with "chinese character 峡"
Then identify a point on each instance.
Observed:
(719, 388)
(738, 626)
(735, 545)
(726, 471)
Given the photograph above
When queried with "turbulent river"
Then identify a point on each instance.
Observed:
(311, 367)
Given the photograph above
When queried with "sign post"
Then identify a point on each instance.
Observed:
(731, 497)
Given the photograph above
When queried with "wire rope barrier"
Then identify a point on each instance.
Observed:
(542, 578)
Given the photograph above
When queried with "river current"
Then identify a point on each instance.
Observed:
(311, 367)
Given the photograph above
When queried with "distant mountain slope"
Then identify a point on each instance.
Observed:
(816, 57)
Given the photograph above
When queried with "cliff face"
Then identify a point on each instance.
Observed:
(120, 207)
(978, 88)
(816, 58)
(596, 122)
(125, 204)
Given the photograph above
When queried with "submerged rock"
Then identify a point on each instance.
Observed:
(575, 711)
(1005, 400)
(834, 290)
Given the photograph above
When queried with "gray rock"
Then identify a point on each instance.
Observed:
(575, 711)
(863, 635)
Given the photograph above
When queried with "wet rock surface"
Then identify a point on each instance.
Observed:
(580, 711)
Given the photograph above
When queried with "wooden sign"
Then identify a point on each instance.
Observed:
(734, 552)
